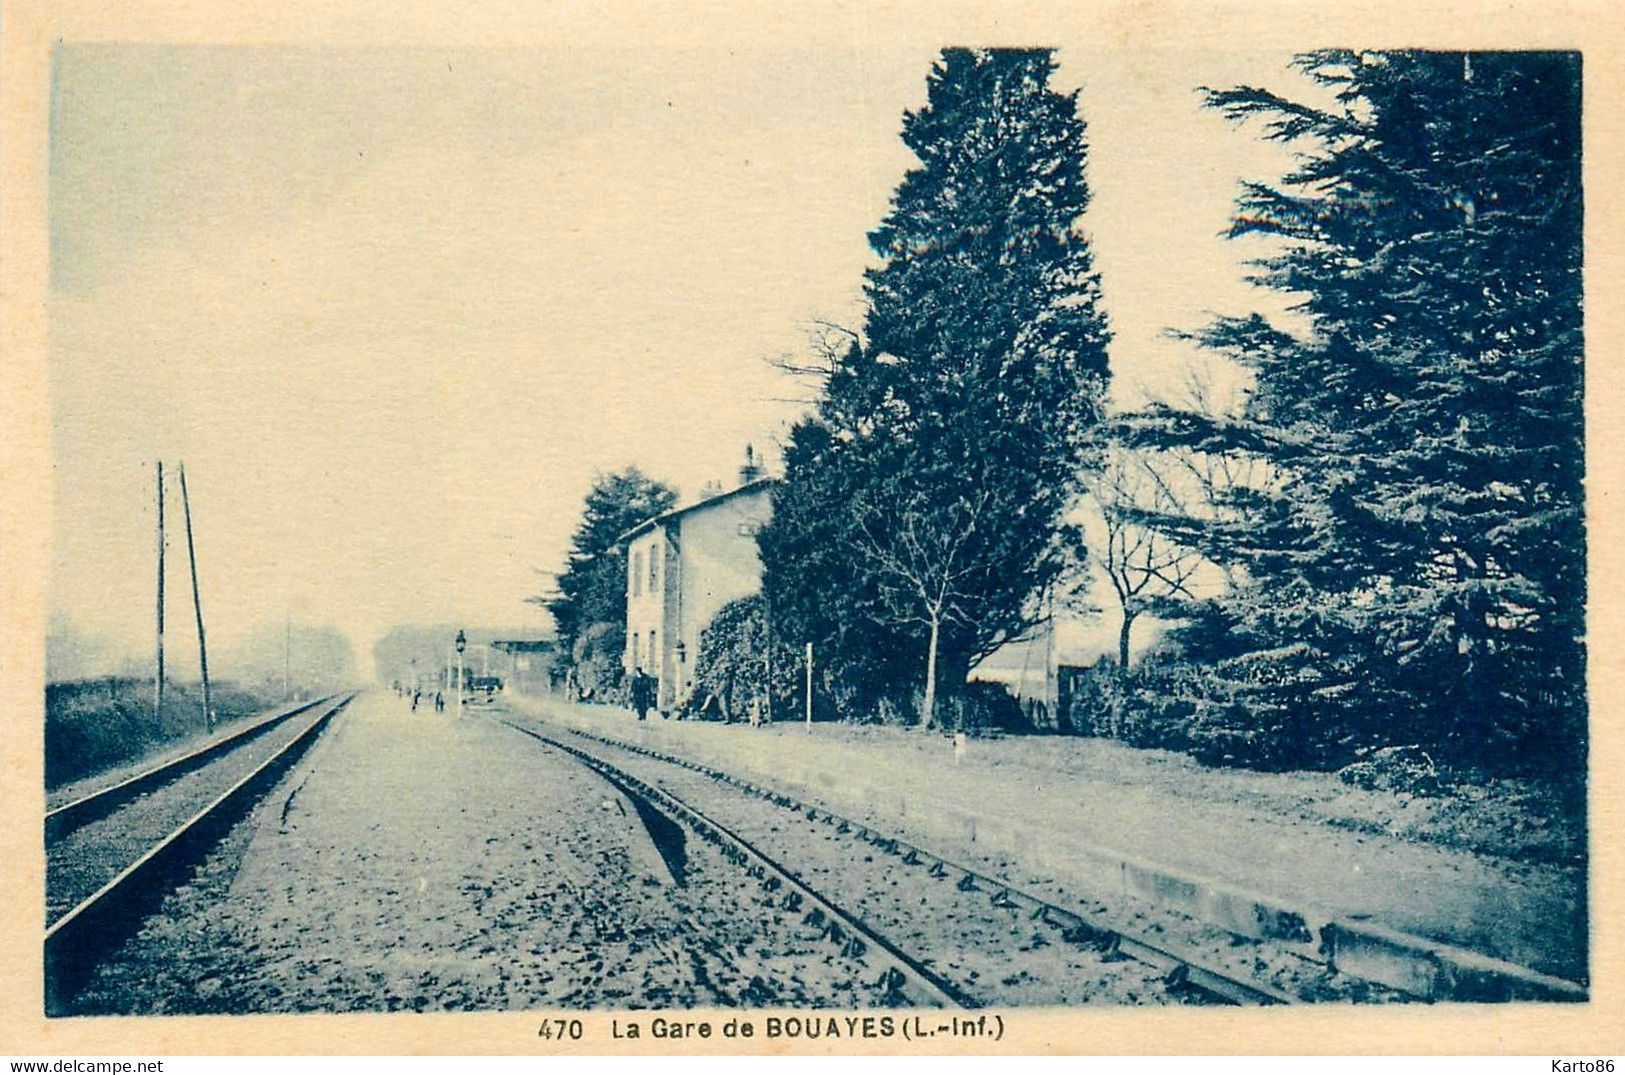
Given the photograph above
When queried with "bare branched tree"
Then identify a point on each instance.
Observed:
(1201, 456)
(828, 344)
(1143, 564)
(919, 552)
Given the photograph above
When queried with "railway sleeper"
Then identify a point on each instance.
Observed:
(1113, 945)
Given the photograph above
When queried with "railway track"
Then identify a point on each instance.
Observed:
(85, 809)
(912, 978)
(111, 857)
(883, 928)
(1208, 958)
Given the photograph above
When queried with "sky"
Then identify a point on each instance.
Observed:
(395, 308)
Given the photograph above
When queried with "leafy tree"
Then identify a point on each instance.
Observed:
(592, 587)
(597, 654)
(1418, 546)
(923, 502)
(815, 589)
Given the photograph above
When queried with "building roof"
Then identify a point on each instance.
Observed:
(660, 520)
(522, 645)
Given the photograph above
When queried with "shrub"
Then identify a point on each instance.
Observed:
(981, 707)
(1142, 707)
(598, 655)
(728, 670)
(97, 724)
(1409, 769)
(731, 669)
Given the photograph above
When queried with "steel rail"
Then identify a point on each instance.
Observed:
(910, 971)
(1180, 966)
(80, 939)
(99, 804)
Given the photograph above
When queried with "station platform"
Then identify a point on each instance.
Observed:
(1224, 846)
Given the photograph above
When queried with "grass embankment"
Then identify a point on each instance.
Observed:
(1525, 819)
(94, 725)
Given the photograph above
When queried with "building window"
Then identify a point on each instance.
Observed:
(637, 574)
(636, 662)
(652, 650)
(654, 572)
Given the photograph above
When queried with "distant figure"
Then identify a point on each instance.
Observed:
(416, 694)
(642, 692)
(439, 702)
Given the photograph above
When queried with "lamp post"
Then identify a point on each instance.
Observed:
(462, 644)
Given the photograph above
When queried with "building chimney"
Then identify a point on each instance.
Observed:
(751, 470)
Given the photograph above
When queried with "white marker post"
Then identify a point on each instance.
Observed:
(809, 688)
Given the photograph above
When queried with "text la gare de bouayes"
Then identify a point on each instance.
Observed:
(810, 1027)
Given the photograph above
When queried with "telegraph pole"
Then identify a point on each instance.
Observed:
(767, 663)
(197, 604)
(158, 679)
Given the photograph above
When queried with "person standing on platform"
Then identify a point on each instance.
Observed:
(641, 691)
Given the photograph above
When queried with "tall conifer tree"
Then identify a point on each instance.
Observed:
(1416, 566)
(922, 503)
(592, 587)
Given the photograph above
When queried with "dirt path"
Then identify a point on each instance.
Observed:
(413, 861)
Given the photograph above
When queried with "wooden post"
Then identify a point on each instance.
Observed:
(1052, 696)
(767, 661)
(809, 688)
(158, 678)
(197, 604)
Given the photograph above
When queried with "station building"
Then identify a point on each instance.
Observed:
(682, 567)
